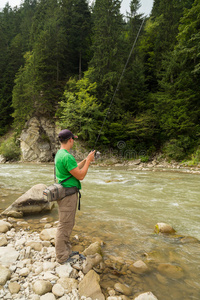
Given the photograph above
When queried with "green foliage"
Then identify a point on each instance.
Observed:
(10, 150)
(79, 110)
(46, 43)
(177, 149)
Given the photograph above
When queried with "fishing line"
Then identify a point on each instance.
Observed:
(120, 79)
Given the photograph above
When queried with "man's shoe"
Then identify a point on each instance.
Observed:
(74, 253)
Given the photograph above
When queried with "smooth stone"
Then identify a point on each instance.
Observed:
(122, 288)
(48, 296)
(163, 228)
(170, 270)
(48, 234)
(3, 240)
(89, 286)
(24, 272)
(42, 287)
(4, 226)
(139, 267)
(5, 275)
(93, 249)
(14, 287)
(58, 290)
(146, 296)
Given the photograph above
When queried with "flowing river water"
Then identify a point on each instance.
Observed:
(121, 206)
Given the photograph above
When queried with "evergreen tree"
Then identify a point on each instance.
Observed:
(106, 63)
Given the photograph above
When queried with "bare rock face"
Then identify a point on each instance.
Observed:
(30, 202)
(38, 140)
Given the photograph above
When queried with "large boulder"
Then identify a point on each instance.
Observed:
(38, 140)
(30, 202)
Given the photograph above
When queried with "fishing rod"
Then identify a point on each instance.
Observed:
(118, 84)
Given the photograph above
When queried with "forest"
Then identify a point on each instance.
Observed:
(63, 59)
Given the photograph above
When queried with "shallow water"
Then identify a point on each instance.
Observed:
(121, 206)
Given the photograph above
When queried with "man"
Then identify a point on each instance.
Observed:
(67, 168)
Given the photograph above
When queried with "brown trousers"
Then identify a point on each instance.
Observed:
(67, 211)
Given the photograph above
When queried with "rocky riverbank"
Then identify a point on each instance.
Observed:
(28, 268)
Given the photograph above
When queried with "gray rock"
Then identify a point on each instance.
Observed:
(30, 202)
(38, 140)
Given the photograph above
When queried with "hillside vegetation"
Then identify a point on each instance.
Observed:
(63, 60)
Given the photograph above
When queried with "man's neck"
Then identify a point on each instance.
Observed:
(65, 146)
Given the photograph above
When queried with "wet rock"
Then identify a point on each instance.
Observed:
(48, 234)
(139, 267)
(42, 287)
(146, 296)
(163, 228)
(14, 287)
(4, 226)
(30, 202)
(123, 289)
(90, 262)
(89, 286)
(5, 275)
(8, 255)
(170, 270)
(93, 249)
(189, 239)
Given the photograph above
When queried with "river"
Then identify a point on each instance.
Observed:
(121, 206)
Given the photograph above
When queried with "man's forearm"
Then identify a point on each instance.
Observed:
(81, 164)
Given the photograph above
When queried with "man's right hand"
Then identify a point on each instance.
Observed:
(90, 156)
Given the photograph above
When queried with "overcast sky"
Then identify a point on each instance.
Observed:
(146, 5)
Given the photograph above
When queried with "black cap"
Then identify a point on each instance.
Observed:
(66, 134)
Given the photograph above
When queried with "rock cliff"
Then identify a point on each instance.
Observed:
(38, 140)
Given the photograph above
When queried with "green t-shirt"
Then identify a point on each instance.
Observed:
(64, 163)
